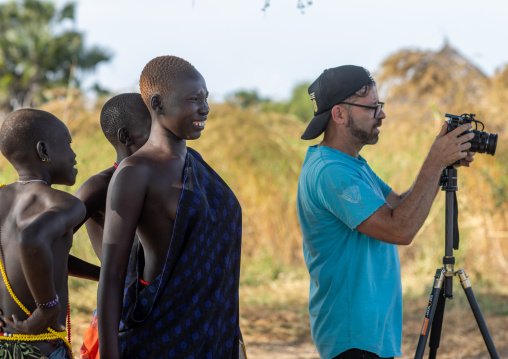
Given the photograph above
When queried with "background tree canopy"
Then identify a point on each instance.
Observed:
(41, 50)
(443, 77)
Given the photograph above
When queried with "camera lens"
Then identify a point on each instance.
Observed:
(484, 142)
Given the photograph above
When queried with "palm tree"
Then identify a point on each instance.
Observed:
(38, 51)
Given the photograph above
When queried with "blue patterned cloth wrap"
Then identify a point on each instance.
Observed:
(191, 309)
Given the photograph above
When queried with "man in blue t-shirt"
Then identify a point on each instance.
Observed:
(352, 221)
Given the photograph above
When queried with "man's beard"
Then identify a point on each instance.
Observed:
(363, 137)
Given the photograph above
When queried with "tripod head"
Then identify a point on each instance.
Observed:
(448, 179)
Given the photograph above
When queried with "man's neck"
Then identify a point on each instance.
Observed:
(350, 149)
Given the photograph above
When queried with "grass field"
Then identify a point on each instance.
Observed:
(259, 155)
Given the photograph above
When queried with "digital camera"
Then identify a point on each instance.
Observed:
(483, 142)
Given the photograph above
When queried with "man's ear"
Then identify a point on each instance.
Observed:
(339, 114)
(124, 136)
(156, 103)
(42, 151)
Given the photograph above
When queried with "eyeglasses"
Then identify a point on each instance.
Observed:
(377, 108)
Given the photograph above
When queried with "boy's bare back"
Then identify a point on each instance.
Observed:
(27, 215)
(36, 224)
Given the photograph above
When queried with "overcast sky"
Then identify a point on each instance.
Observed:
(236, 46)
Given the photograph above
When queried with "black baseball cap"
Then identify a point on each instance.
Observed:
(330, 88)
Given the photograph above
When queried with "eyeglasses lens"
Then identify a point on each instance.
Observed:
(379, 107)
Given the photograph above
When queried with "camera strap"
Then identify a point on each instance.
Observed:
(455, 222)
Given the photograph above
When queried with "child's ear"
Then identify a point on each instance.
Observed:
(156, 103)
(124, 136)
(42, 151)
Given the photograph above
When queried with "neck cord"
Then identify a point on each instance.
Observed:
(115, 164)
(34, 180)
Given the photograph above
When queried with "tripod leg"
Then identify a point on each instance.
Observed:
(464, 280)
(437, 325)
(429, 314)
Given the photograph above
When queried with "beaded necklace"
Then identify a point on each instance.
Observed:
(53, 334)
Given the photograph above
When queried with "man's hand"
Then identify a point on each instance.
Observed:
(38, 322)
(452, 147)
(467, 160)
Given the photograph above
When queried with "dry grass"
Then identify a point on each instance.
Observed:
(260, 155)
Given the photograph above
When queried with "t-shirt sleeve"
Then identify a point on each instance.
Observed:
(384, 187)
(347, 194)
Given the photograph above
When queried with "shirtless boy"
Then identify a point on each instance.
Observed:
(189, 224)
(125, 122)
(36, 223)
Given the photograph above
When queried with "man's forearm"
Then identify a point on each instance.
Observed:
(415, 205)
(405, 194)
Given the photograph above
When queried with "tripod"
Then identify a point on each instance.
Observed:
(443, 280)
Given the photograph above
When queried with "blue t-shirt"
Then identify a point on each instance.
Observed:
(355, 298)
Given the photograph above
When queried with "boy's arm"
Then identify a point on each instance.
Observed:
(124, 204)
(93, 195)
(81, 269)
(37, 261)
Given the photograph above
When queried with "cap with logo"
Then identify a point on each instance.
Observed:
(330, 88)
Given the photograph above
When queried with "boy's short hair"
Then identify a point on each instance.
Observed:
(160, 74)
(125, 110)
(21, 131)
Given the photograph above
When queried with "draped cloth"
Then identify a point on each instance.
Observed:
(90, 347)
(191, 309)
(26, 350)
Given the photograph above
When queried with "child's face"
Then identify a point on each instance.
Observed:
(186, 106)
(63, 158)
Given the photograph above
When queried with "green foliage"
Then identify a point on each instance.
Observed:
(39, 51)
(245, 98)
(299, 104)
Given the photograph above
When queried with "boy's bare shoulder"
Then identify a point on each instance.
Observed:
(135, 165)
(63, 200)
(134, 174)
(25, 207)
(136, 160)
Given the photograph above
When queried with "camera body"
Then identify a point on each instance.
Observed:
(483, 142)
